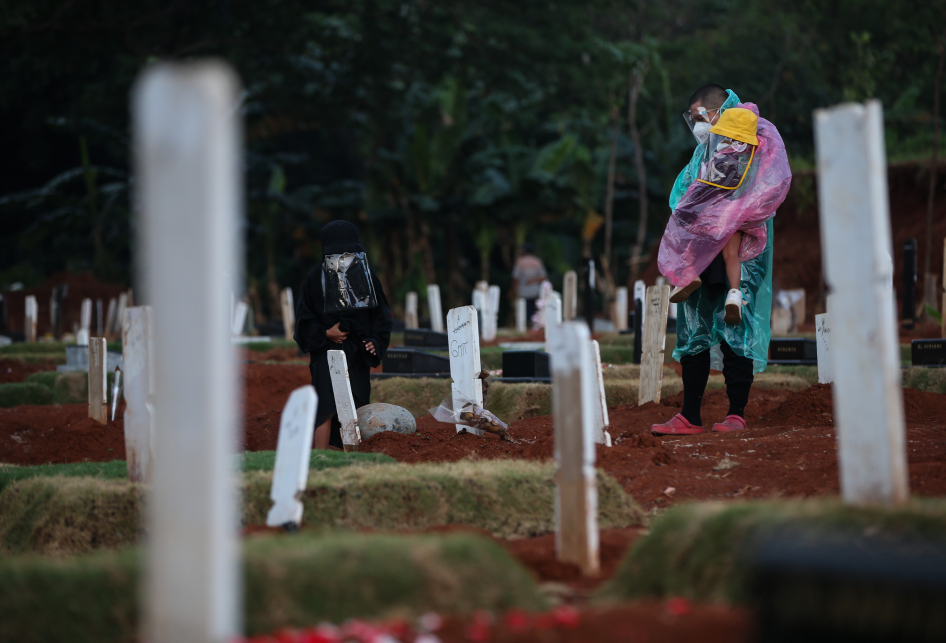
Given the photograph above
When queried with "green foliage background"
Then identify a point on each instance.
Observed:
(449, 131)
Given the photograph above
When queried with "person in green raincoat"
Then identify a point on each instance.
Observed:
(704, 339)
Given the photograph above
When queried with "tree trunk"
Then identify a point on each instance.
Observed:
(609, 195)
(929, 279)
(637, 81)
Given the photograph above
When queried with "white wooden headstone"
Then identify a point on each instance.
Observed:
(491, 314)
(521, 322)
(293, 451)
(82, 337)
(410, 311)
(465, 359)
(600, 407)
(552, 315)
(570, 296)
(479, 302)
(138, 365)
(238, 323)
(116, 326)
(31, 318)
(855, 242)
(574, 395)
(620, 308)
(85, 315)
(344, 401)
(288, 306)
(188, 160)
(653, 343)
(434, 308)
(98, 380)
(110, 316)
(823, 337)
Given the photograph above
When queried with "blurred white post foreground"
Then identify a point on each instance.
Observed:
(464, 342)
(574, 393)
(856, 245)
(434, 308)
(138, 364)
(188, 155)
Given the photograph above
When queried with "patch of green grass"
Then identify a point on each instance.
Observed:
(23, 349)
(931, 380)
(264, 346)
(509, 498)
(118, 469)
(289, 581)
(699, 550)
(17, 393)
(51, 387)
(417, 395)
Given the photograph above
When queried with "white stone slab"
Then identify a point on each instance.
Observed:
(856, 242)
(344, 401)
(138, 359)
(188, 164)
(293, 451)
(82, 337)
(464, 343)
(823, 337)
(574, 394)
(434, 308)
(570, 296)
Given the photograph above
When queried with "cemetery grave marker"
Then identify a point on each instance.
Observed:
(344, 401)
(620, 308)
(491, 314)
(293, 450)
(138, 362)
(238, 323)
(856, 244)
(110, 316)
(823, 337)
(188, 157)
(521, 323)
(116, 326)
(574, 394)
(434, 309)
(410, 311)
(600, 407)
(653, 344)
(98, 380)
(570, 296)
(288, 306)
(552, 315)
(99, 321)
(640, 294)
(465, 364)
(85, 316)
(32, 316)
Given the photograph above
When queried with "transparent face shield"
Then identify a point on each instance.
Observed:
(346, 282)
(725, 162)
(702, 115)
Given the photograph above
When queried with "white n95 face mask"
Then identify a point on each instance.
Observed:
(701, 132)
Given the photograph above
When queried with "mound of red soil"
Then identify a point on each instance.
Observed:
(266, 387)
(57, 434)
(814, 407)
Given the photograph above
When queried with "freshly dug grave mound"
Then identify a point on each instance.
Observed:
(703, 551)
(290, 582)
(507, 498)
(58, 433)
(18, 369)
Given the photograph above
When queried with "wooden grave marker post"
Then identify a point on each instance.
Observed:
(434, 308)
(116, 326)
(110, 317)
(856, 245)
(491, 314)
(31, 318)
(293, 452)
(410, 311)
(98, 380)
(188, 157)
(552, 315)
(521, 323)
(599, 408)
(344, 400)
(574, 394)
(653, 342)
(465, 364)
(823, 337)
(288, 306)
(85, 316)
(138, 364)
(570, 296)
(620, 308)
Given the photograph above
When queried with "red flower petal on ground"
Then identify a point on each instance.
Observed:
(678, 606)
(566, 616)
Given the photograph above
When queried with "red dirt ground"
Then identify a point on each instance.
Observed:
(17, 370)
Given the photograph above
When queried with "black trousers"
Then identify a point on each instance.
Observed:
(737, 371)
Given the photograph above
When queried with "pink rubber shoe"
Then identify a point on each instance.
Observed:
(678, 425)
(730, 423)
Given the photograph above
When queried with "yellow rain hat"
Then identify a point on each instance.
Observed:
(739, 124)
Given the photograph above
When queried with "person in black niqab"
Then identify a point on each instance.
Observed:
(363, 332)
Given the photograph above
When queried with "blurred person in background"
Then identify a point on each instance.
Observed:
(529, 273)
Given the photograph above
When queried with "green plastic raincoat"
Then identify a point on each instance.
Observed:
(700, 324)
